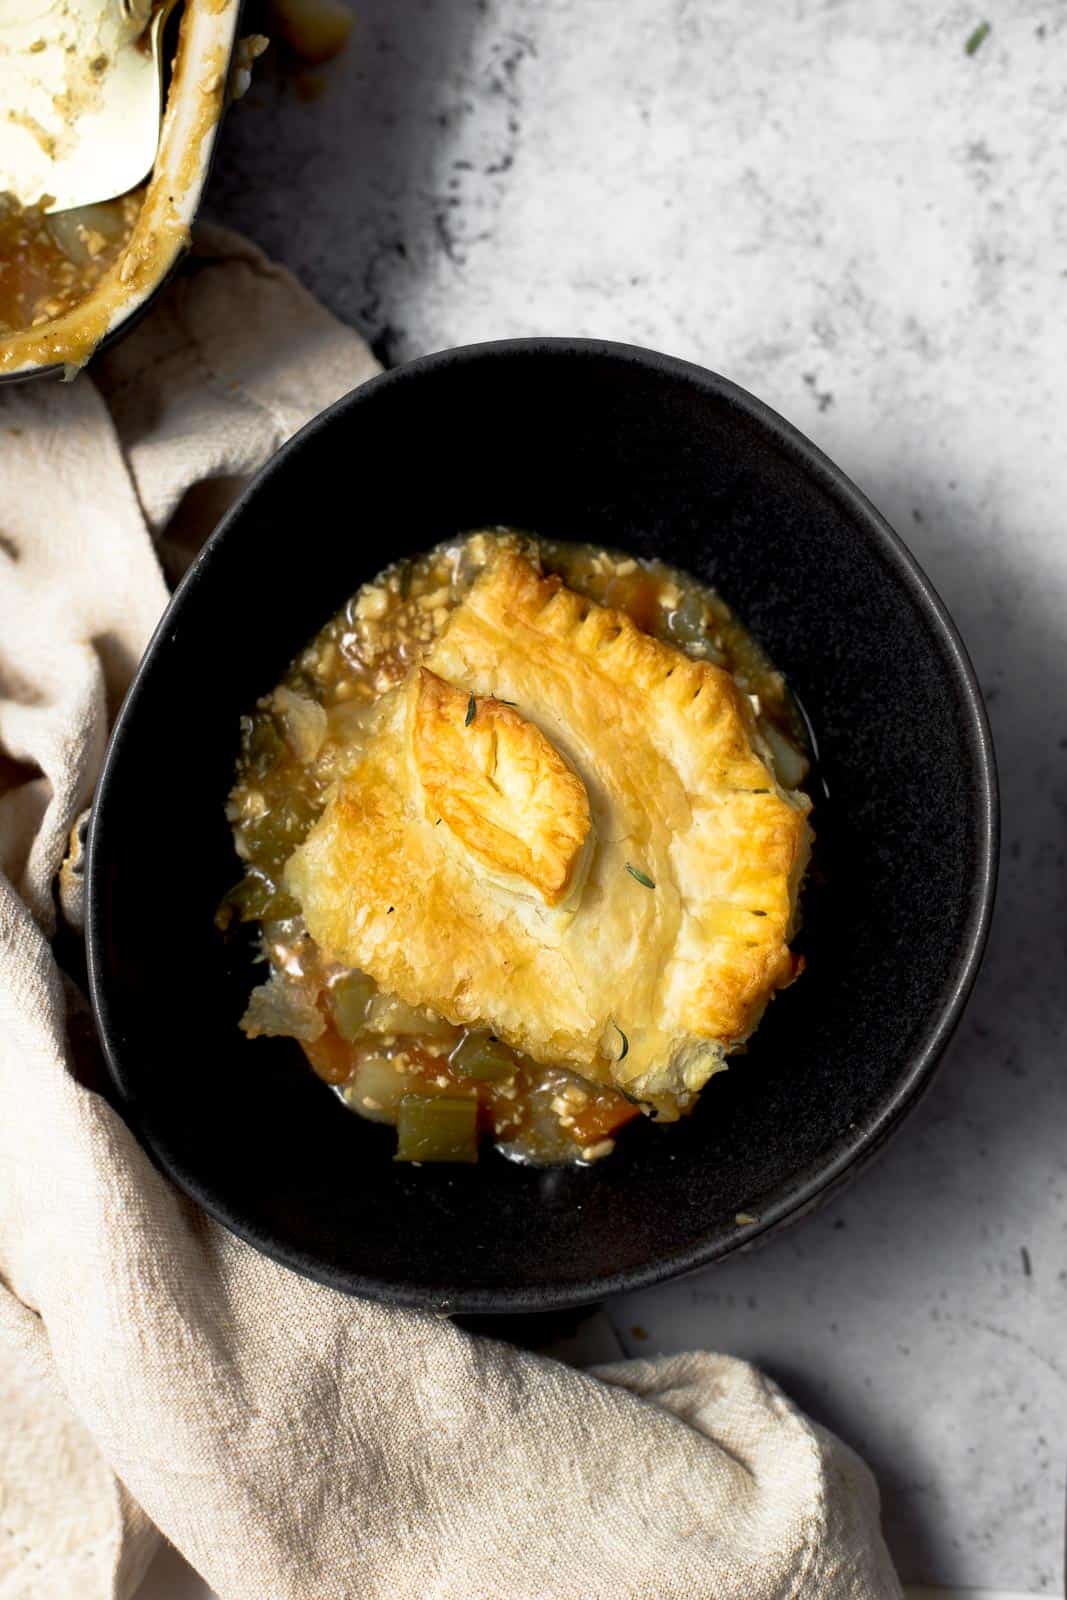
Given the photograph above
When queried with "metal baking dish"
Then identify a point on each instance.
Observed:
(196, 100)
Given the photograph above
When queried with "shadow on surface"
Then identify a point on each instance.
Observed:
(987, 1127)
(393, 99)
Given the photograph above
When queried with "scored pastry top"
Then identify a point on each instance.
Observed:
(564, 830)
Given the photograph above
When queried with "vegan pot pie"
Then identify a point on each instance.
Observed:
(524, 833)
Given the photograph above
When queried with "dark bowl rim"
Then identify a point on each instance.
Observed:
(865, 1140)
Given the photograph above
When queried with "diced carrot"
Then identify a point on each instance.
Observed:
(331, 1056)
(600, 1118)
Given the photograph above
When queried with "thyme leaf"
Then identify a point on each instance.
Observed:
(977, 38)
(625, 1042)
(472, 706)
(642, 877)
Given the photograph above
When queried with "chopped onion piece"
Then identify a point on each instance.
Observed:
(376, 1089)
(790, 764)
(70, 230)
(279, 1009)
(350, 997)
(304, 722)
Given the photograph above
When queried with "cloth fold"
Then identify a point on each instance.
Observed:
(155, 1372)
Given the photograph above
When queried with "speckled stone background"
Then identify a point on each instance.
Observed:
(838, 207)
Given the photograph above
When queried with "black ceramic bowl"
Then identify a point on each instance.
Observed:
(583, 441)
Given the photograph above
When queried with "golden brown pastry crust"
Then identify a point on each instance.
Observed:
(505, 794)
(642, 987)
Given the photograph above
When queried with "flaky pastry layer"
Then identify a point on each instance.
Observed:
(621, 900)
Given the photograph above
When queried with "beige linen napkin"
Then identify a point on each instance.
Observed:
(156, 1373)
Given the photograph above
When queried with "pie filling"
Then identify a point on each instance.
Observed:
(523, 832)
(49, 262)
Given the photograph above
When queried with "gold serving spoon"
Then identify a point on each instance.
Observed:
(81, 94)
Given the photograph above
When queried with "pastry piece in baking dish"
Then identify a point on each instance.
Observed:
(564, 830)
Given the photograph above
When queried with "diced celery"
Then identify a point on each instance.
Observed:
(388, 1014)
(482, 1057)
(350, 997)
(688, 624)
(255, 899)
(265, 743)
(437, 1128)
(272, 838)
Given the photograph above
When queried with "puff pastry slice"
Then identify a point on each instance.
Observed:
(603, 871)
